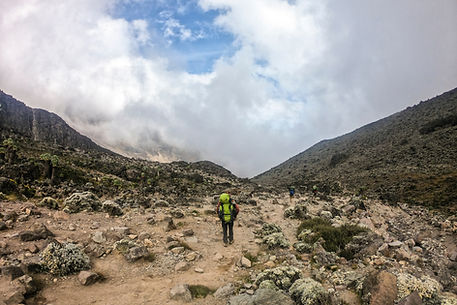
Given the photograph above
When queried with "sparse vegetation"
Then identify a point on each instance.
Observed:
(200, 291)
(335, 238)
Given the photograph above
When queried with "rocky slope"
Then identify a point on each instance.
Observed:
(40, 125)
(409, 156)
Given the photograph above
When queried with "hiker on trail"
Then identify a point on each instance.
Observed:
(291, 193)
(227, 211)
(314, 190)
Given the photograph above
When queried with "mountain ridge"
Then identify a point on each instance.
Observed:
(413, 148)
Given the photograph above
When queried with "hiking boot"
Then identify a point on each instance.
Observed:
(225, 244)
(231, 242)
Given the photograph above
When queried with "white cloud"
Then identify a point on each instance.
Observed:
(303, 70)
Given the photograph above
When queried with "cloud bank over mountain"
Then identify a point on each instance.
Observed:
(296, 72)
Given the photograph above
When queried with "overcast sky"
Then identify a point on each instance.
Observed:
(245, 84)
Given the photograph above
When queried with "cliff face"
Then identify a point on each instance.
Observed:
(40, 125)
(410, 155)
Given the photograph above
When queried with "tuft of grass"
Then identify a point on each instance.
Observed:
(200, 291)
(335, 238)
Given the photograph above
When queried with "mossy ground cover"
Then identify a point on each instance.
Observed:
(200, 291)
(335, 238)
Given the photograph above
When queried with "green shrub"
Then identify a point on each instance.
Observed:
(200, 291)
(335, 238)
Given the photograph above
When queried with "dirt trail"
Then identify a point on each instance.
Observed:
(143, 282)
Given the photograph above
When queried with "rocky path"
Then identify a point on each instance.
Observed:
(185, 246)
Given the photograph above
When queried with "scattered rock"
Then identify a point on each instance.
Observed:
(246, 263)
(12, 272)
(38, 231)
(135, 253)
(188, 232)
(199, 270)
(3, 226)
(181, 293)
(224, 291)
(395, 244)
(170, 225)
(182, 266)
(412, 299)
(99, 237)
(87, 278)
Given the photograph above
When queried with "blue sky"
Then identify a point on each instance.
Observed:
(245, 84)
(184, 29)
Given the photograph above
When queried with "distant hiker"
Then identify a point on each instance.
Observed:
(227, 211)
(314, 190)
(291, 193)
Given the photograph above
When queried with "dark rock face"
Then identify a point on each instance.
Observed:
(40, 125)
(409, 156)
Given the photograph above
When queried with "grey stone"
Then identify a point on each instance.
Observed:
(87, 278)
(395, 244)
(412, 299)
(99, 237)
(188, 232)
(182, 266)
(245, 262)
(37, 231)
(122, 230)
(28, 283)
(135, 253)
(224, 291)
(326, 214)
(3, 226)
(181, 293)
(12, 272)
(271, 297)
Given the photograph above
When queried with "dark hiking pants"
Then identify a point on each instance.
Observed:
(228, 225)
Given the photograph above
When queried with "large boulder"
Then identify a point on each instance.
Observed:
(78, 202)
(63, 258)
(380, 288)
(309, 292)
(283, 277)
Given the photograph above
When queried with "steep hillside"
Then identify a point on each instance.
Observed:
(409, 156)
(40, 125)
(40, 155)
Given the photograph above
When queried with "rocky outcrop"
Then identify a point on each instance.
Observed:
(40, 125)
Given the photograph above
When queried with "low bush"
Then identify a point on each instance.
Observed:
(335, 238)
